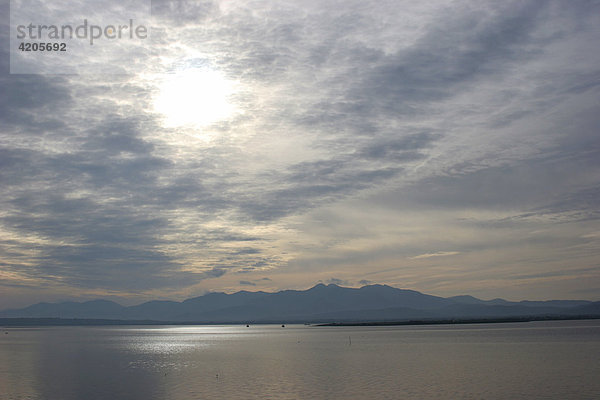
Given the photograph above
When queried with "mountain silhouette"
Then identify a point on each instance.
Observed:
(321, 303)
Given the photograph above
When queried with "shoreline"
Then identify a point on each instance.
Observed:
(40, 322)
(459, 321)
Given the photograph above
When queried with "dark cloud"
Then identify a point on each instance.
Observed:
(215, 272)
(337, 281)
(33, 101)
(399, 148)
(182, 12)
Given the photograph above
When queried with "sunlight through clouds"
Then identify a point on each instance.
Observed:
(194, 98)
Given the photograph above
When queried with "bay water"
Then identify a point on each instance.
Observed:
(535, 360)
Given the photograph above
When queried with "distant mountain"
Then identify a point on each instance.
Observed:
(321, 303)
(465, 299)
(95, 308)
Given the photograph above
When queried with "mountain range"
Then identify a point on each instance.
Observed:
(321, 303)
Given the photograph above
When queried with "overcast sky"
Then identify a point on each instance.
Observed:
(446, 147)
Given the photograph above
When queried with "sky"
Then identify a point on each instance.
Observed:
(449, 147)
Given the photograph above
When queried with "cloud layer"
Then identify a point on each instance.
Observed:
(370, 143)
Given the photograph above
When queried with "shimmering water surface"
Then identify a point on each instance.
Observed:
(538, 360)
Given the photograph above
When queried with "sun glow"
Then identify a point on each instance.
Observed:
(194, 98)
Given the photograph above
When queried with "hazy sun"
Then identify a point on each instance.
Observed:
(194, 97)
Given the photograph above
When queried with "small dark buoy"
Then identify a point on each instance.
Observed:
(283, 326)
(247, 326)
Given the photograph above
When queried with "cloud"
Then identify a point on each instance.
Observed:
(183, 12)
(336, 281)
(366, 135)
(438, 254)
(247, 283)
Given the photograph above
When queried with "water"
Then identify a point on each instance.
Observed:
(538, 360)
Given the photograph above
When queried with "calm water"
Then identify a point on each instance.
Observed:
(541, 360)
